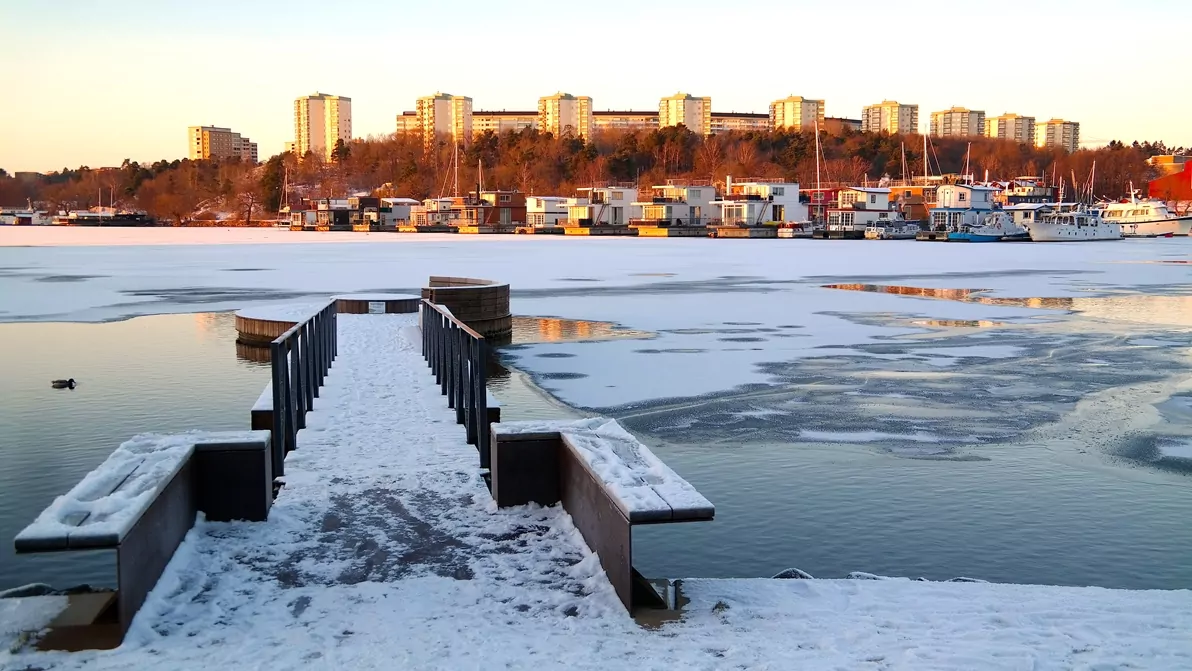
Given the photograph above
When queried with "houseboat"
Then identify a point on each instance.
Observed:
(103, 217)
(857, 208)
(24, 218)
(678, 205)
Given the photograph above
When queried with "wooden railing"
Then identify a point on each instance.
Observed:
(457, 355)
(301, 358)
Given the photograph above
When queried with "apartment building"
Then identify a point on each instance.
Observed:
(443, 115)
(502, 121)
(212, 142)
(1058, 133)
(838, 125)
(739, 121)
(796, 113)
(563, 114)
(681, 108)
(890, 116)
(1011, 127)
(957, 122)
(319, 121)
(625, 120)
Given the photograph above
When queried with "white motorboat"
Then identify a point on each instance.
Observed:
(1073, 226)
(892, 230)
(1148, 218)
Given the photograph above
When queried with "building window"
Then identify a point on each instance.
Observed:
(960, 196)
(504, 198)
(617, 195)
(873, 199)
(778, 191)
(694, 193)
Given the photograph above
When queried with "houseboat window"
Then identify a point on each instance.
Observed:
(960, 196)
(778, 191)
(694, 193)
(872, 198)
(505, 198)
(617, 195)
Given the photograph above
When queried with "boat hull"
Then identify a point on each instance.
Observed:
(973, 237)
(1045, 231)
(1150, 229)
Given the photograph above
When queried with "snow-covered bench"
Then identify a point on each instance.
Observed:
(144, 498)
(606, 480)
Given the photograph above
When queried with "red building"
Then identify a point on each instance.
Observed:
(1176, 187)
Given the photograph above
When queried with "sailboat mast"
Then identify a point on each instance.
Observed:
(455, 168)
(924, 160)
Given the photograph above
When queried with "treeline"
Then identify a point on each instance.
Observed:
(401, 165)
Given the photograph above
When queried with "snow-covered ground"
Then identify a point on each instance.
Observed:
(385, 551)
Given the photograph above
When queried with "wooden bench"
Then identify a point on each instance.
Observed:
(141, 502)
(605, 479)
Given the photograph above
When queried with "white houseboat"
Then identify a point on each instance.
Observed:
(858, 208)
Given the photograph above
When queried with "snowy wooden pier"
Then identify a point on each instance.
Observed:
(386, 548)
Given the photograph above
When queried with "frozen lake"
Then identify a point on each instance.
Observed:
(1013, 412)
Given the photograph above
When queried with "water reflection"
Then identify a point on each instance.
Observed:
(530, 330)
(1133, 308)
(957, 323)
(520, 398)
(252, 354)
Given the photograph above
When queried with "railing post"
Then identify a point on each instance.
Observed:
(309, 360)
(287, 403)
(482, 435)
(295, 387)
(320, 342)
(461, 373)
(277, 442)
(452, 364)
(473, 424)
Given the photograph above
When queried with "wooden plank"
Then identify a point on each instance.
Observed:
(599, 520)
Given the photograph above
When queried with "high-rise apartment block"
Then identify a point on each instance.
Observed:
(1011, 127)
(681, 108)
(1058, 133)
(890, 116)
(444, 115)
(563, 114)
(796, 113)
(320, 120)
(212, 142)
(957, 122)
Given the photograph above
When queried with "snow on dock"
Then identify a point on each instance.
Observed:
(385, 550)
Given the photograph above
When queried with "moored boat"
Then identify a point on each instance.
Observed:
(1148, 218)
(1073, 226)
(996, 227)
(892, 230)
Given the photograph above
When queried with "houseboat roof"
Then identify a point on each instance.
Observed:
(1027, 206)
(974, 187)
(869, 189)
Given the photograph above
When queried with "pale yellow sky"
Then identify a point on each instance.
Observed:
(89, 83)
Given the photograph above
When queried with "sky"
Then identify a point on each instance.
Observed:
(86, 82)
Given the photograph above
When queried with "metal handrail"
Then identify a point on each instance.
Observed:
(300, 359)
(458, 356)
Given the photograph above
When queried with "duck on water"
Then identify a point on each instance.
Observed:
(63, 384)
